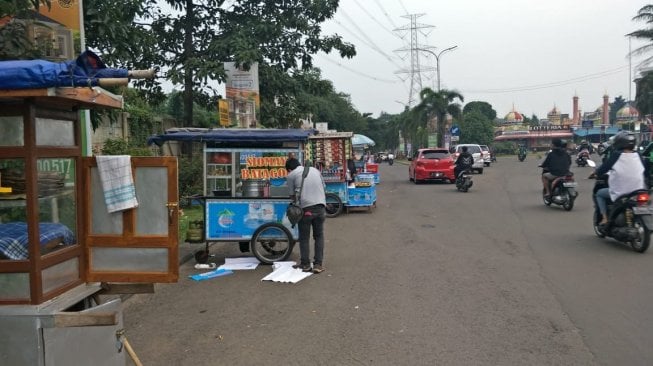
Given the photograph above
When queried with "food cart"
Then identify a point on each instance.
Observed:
(60, 248)
(329, 153)
(245, 192)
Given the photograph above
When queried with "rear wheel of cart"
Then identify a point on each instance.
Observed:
(202, 256)
(272, 242)
(333, 205)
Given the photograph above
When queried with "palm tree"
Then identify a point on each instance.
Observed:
(644, 14)
(644, 96)
(437, 105)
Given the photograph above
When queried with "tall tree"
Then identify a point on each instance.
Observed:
(439, 105)
(476, 128)
(644, 14)
(618, 103)
(483, 107)
(15, 43)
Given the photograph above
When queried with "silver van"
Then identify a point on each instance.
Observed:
(476, 152)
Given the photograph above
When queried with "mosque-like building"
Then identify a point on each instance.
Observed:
(594, 126)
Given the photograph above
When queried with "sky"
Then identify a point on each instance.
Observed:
(530, 55)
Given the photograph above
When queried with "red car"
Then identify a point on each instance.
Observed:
(431, 164)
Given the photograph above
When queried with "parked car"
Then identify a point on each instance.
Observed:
(476, 152)
(485, 153)
(431, 164)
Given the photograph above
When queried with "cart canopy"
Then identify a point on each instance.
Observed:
(231, 135)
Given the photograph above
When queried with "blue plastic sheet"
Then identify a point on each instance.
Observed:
(86, 70)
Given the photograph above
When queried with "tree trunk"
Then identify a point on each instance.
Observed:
(188, 70)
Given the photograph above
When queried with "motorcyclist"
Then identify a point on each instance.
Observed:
(522, 149)
(584, 146)
(608, 149)
(625, 172)
(391, 158)
(555, 165)
(465, 161)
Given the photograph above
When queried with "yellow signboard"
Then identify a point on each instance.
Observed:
(223, 109)
(65, 12)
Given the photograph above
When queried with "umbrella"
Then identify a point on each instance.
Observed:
(362, 140)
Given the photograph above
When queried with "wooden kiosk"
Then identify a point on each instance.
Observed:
(59, 247)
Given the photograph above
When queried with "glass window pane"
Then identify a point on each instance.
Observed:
(52, 132)
(57, 204)
(12, 131)
(13, 215)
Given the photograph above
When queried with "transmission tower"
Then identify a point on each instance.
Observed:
(415, 71)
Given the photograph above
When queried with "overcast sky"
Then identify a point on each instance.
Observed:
(532, 54)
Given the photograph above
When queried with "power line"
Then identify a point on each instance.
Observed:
(357, 72)
(554, 84)
(385, 13)
(369, 40)
(371, 46)
(374, 19)
(403, 6)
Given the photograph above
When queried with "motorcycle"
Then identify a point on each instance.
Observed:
(464, 180)
(521, 155)
(563, 192)
(582, 158)
(630, 217)
(391, 159)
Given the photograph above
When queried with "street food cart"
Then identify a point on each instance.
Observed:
(329, 153)
(60, 248)
(361, 145)
(245, 191)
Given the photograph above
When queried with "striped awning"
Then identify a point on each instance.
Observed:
(535, 135)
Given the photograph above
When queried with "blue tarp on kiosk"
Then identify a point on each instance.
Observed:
(582, 132)
(232, 135)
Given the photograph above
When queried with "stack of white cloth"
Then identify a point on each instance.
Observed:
(117, 182)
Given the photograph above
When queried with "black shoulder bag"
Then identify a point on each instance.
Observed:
(294, 211)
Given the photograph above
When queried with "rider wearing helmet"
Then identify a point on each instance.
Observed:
(625, 172)
(464, 162)
(555, 165)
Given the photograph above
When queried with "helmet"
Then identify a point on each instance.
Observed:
(625, 140)
(556, 142)
(610, 140)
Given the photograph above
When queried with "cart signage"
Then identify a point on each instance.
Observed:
(234, 220)
(264, 167)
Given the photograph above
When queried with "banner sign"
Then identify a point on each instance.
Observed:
(243, 92)
(223, 110)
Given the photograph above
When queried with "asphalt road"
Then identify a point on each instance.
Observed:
(431, 276)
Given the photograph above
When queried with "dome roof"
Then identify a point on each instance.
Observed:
(514, 116)
(628, 111)
(554, 111)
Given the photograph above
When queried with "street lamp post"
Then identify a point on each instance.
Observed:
(437, 59)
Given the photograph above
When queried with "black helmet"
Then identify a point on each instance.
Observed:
(625, 140)
(556, 142)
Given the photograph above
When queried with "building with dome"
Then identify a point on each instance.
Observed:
(514, 117)
(627, 114)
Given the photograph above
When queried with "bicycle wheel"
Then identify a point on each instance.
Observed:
(333, 205)
(272, 242)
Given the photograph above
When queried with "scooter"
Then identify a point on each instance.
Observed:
(464, 180)
(582, 158)
(563, 192)
(630, 217)
(521, 155)
(391, 159)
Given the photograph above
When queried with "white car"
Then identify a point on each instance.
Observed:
(485, 152)
(476, 152)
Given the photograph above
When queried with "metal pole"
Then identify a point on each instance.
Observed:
(437, 59)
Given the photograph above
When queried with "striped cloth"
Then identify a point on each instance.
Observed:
(117, 182)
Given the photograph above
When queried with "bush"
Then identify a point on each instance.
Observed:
(190, 178)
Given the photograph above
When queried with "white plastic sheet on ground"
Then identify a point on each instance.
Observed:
(283, 272)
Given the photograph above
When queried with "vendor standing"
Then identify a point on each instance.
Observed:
(313, 202)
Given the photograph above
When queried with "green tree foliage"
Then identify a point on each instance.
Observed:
(644, 97)
(483, 107)
(645, 14)
(14, 41)
(476, 128)
(436, 105)
(619, 102)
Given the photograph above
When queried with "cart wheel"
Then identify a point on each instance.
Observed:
(272, 242)
(243, 246)
(202, 256)
(333, 205)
